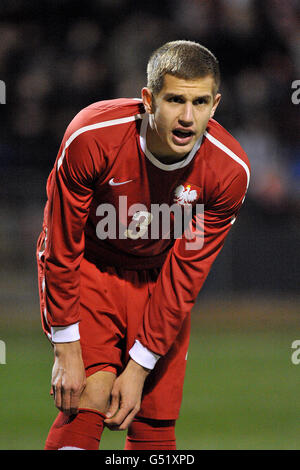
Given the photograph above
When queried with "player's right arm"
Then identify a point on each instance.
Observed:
(68, 376)
(70, 192)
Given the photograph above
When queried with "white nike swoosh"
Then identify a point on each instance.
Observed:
(112, 182)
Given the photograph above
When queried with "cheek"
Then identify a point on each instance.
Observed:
(162, 123)
(203, 120)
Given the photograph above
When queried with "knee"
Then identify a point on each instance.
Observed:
(96, 394)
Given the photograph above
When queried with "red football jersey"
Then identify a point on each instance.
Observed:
(106, 194)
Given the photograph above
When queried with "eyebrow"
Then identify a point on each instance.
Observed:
(175, 95)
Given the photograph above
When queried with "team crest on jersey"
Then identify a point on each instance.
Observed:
(185, 195)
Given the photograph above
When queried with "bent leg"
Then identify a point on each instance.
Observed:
(84, 430)
(81, 431)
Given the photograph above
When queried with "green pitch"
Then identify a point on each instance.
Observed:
(241, 390)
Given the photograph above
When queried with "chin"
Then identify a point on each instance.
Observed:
(182, 150)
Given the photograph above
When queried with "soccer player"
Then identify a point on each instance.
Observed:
(116, 281)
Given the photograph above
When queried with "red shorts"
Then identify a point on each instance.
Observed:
(112, 302)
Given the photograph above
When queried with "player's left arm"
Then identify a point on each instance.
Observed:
(185, 271)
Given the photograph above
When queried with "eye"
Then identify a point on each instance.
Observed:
(175, 99)
(200, 101)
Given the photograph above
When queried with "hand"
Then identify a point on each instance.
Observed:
(126, 396)
(68, 376)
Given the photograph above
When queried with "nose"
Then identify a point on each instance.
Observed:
(186, 117)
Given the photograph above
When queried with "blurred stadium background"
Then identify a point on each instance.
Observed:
(242, 390)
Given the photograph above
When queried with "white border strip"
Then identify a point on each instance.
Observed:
(143, 356)
(230, 153)
(97, 125)
(65, 334)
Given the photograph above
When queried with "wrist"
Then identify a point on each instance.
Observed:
(138, 368)
(67, 348)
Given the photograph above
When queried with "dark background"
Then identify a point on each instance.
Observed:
(57, 57)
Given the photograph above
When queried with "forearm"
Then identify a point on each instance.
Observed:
(68, 376)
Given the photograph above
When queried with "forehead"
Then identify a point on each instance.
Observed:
(181, 86)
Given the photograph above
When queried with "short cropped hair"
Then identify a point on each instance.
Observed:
(183, 59)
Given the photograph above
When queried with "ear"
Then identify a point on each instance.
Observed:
(217, 100)
(147, 98)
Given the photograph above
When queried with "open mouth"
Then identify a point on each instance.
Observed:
(182, 136)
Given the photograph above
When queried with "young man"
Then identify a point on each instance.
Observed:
(116, 295)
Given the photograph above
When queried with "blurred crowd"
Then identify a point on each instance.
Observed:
(59, 56)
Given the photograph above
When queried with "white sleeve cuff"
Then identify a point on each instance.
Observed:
(143, 356)
(65, 334)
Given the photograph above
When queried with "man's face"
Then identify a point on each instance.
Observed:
(180, 113)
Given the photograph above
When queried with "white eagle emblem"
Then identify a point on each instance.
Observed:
(184, 195)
